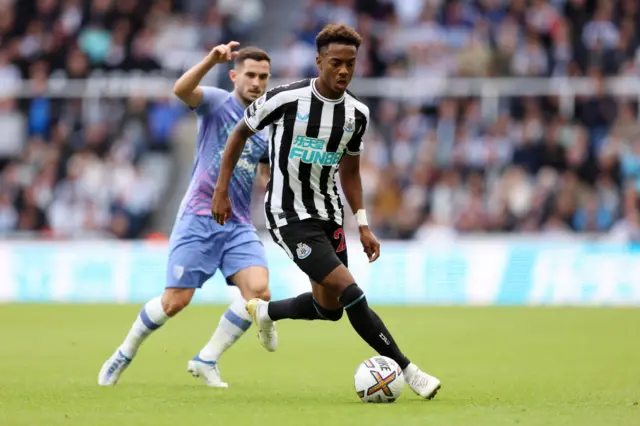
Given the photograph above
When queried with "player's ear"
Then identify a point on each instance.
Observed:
(232, 75)
(319, 61)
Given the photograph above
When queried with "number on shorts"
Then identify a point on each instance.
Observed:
(339, 234)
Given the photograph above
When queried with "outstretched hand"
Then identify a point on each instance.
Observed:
(221, 207)
(224, 52)
(370, 244)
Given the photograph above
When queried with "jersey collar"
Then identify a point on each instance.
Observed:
(322, 98)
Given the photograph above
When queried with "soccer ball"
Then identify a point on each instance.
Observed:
(378, 379)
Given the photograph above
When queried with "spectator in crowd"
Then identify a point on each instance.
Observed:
(531, 168)
(78, 166)
(431, 167)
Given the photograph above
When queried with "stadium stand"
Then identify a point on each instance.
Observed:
(78, 167)
(442, 164)
(432, 165)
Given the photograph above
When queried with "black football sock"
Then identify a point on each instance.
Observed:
(301, 307)
(369, 325)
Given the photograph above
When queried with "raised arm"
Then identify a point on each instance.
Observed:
(187, 87)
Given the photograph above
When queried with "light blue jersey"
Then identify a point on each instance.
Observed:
(199, 246)
(218, 114)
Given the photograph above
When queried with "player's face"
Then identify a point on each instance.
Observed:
(337, 65)
(250, 79)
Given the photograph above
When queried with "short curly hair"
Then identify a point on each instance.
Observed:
(341, 34)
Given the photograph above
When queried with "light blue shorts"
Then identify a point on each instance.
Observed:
(198, 247)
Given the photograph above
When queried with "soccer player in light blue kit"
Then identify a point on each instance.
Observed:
(198, 245)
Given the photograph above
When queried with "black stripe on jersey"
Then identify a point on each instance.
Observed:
(361, 126)
(283, 160)
(332, 146)
(271, 118)
(281, 110)
(272, 168)
(286, 87)
(304, 169)
(352, 95)
(277, 113)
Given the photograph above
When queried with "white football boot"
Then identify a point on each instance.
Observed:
(267, 334)
(207, 370)
(420, 382)
(113, 368)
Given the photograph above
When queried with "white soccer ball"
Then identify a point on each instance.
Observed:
(378, 379)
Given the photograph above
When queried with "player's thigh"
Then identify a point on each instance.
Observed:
(194, 252)
(245, 266)
(253, 282)
(335, 234)
(326, 297)
(338, 279)
(307, 244)
(244, 262)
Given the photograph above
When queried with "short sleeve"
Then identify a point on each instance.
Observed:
(264, 111)
(265, 158)
(354, 147)
(212, 98)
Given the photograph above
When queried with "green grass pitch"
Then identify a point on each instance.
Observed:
(498, 366)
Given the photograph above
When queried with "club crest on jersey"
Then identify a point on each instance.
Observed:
(349, 124)
(303, 251)
(260, 101)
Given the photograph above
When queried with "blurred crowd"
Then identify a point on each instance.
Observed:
(444, 164)
(94, 166)
(72, 166)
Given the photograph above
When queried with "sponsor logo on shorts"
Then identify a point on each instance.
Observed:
(303, 251)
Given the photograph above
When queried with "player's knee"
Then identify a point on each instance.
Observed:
(175, 300)
(351, 295)
(329, 314)
(262, 293)
(256, 291)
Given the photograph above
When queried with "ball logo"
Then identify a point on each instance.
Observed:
(303, 251)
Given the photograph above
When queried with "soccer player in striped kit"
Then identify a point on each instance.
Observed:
(316, 125)
(198, 245)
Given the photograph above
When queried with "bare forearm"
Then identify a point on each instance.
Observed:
(235, 145)
(352, 188)
(264, 171)
(187, 84)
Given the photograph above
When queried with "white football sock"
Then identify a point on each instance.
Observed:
(150, 318)
(233, 323)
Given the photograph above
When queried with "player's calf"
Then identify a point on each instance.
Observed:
(328, 314)
(369, 325)
(253, 283)
(150, 318)
(373, 331)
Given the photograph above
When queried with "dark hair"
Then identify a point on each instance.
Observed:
(251, 53)
(341, 34)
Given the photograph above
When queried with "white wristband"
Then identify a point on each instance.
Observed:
(361, 217)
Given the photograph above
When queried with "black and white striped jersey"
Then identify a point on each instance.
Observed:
(308, 135)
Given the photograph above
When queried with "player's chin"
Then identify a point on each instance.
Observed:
(340, 86)
(252, 96)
